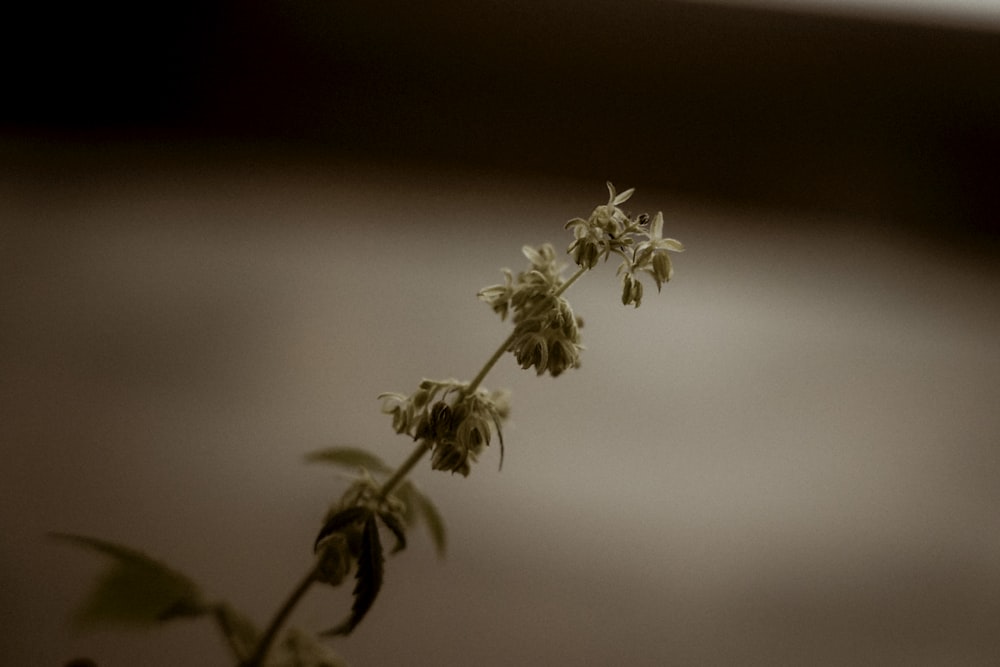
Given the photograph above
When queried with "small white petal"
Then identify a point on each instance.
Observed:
(656, 227)
(533, 255)
(623, 197)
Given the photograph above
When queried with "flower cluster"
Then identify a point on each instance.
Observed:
(458, 423)
(546, 332)
(638, 241)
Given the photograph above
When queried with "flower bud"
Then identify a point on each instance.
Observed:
(631, 290)
(562, 356)
(401, 410)
(662, 269)
(440, 420)
(451, 457)
(420, 398)
(473, 433)
(637, 293)
(532, 350)
(586, 252)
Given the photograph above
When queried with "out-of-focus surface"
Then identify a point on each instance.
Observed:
(789, 456)
(975, 14)
(223, 231)
(896, 122)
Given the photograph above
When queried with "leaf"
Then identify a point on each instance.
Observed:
(404, 492)
(368, 576)
(136, 590)
(339, 520)
(419, 507)
(496, 423)
(396, 527)
(239, 632)
(350, 458)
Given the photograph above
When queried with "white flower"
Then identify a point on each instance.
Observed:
(651, 255)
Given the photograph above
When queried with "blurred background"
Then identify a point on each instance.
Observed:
(226, 227)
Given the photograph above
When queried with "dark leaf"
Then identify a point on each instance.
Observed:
(350, 458)
(496, 422)
(341, 519)
(397, 528)
(136, 590)
(369, 578)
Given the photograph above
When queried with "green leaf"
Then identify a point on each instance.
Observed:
(368, 576)
(419, 507)
(397, 528)
(340, 520)
(239, 632)
(136, 590)
(350, 458)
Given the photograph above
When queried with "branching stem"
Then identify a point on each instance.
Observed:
(424, 446)
(264, 645)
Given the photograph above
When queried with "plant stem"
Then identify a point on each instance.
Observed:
(264, 645)
(424, 446)
(404, 469)
(572, 279)
(490, 363)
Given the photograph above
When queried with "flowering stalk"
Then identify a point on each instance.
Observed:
(453, 421)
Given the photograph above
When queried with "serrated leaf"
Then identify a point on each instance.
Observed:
(397, 529)
(341, 519)
(239, 632)
(350, 458)
(136, 590)
(368, 576)
(420, 508)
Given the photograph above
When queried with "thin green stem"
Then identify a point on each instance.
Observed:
(404, 469)
(264, 645)
(490, 363)
(572, 279)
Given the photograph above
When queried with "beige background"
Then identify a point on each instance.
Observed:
(788, 457)
(226, 227)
